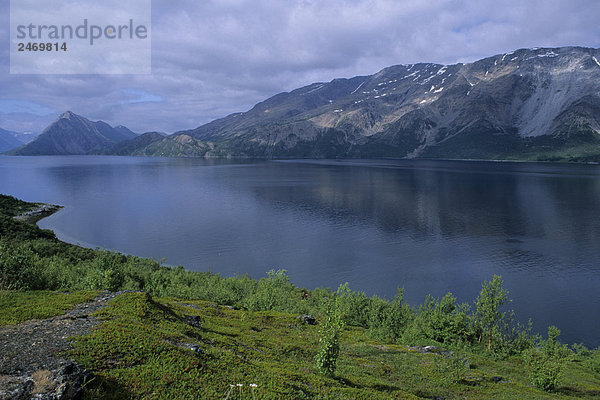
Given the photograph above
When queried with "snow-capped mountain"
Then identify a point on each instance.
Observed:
(531, 103)
(535, 104)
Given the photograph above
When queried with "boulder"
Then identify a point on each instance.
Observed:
(307, 319)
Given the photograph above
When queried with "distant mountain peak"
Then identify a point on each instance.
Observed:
(9, 140)
(74, 134)
(68, 115)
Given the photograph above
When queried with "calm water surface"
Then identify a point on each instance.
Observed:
(427, 226)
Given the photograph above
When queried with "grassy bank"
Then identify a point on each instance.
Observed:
(195, 334)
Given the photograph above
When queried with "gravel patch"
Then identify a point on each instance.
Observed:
(31, 364)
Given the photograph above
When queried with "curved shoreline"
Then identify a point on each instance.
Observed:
(41, 211)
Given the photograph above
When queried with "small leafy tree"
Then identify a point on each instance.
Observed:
(388, 320)
(515, 337)
(20, 268)
(546, 362)
(275, 292)
(489, 301)
(593, 361)
(330, 332)
(354, 306)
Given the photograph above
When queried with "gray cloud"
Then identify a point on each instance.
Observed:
(212, 58)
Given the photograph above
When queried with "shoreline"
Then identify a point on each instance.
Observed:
(241, 158)
(41, 211)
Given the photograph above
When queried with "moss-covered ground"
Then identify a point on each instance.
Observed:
(18, 307)
(149, 348)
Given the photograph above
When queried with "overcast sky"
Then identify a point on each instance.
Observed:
(213, 58)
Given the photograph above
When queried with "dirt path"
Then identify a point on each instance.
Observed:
(30, 361)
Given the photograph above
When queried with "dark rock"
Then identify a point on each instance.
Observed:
(71, 379)
(307, 319)
(426, 349)
(194, 321)
(431, 349)
(22, 391)
(64, 383)
(496, 379)
(191, 346)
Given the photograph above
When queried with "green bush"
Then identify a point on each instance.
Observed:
(329, 335)
(512, 337)
(275, 292)
(106, 272)
(594, 361)
(444, 322)
(20, 268)
(491, 298)
(389, 319)
(12, 206)
(354, 306)
(546, 362)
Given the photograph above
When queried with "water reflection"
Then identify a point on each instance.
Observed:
(429, 226)
(449, 202)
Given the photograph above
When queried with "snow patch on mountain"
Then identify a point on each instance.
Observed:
(356, 90)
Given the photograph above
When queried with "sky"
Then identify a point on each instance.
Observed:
(213, 58)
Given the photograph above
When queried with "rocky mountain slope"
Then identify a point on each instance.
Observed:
(23, 137)
(73, 134)
(528, 104)
(8, 140)
(131, 147)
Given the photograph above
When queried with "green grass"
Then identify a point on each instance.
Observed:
(18, 307)
(143, 347)
(142, 351)
(482, 143)
(576, 153)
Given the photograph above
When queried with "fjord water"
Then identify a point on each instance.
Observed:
(428, 226)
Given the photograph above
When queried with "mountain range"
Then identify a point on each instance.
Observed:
(530, 104)
(10, 139)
